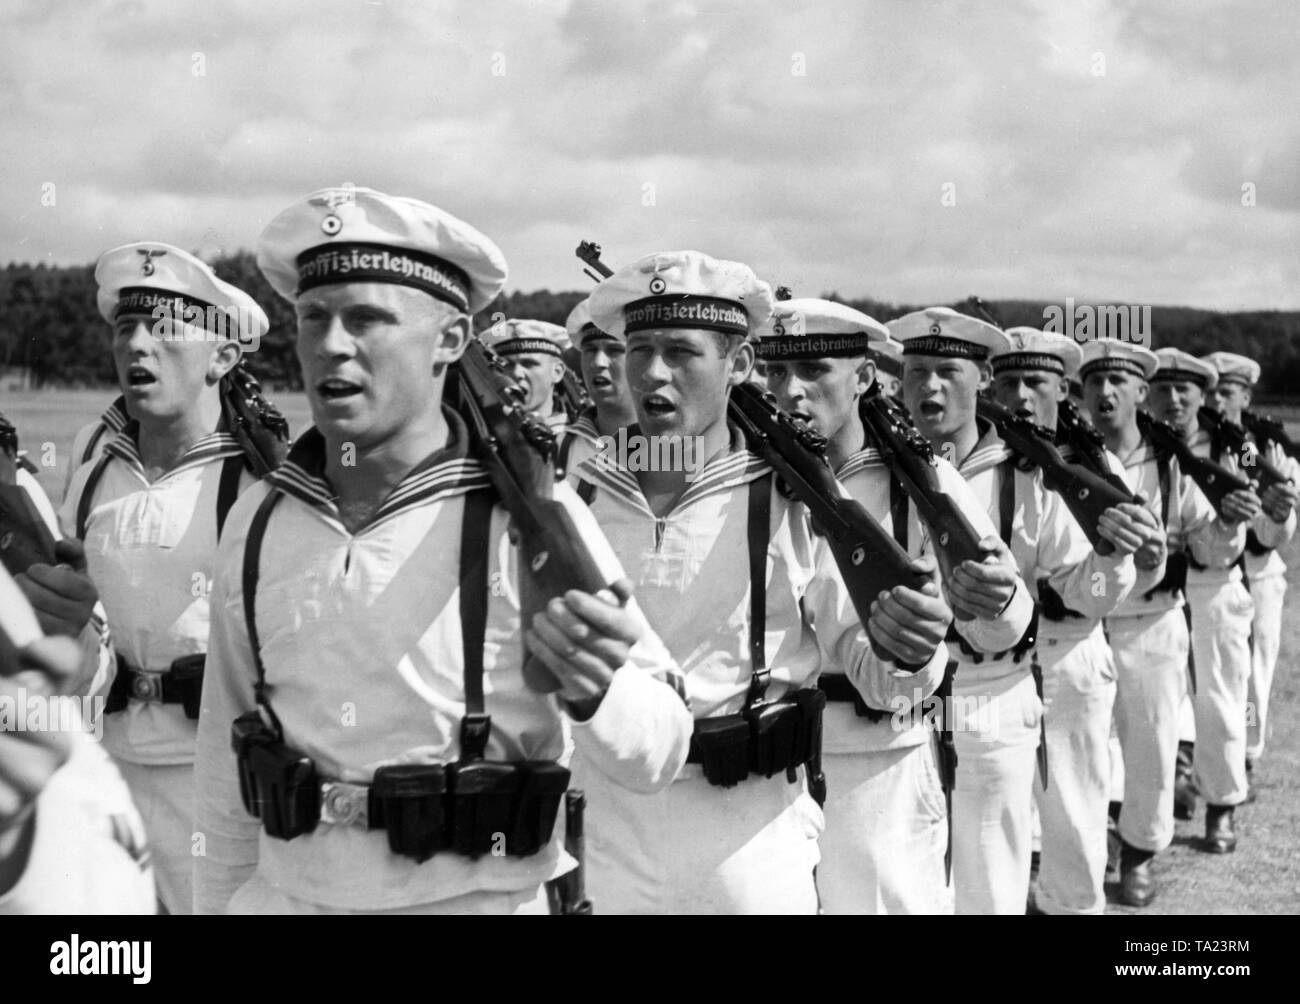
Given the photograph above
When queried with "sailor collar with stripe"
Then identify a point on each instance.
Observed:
(1140, 454)
(214, 446)
(722, 473)
(989, 451)
(115, 418)
(584, 426)
(445, 472)
(868, 456)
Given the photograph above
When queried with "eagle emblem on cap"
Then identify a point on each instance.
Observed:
(332, 199)
(147, 266)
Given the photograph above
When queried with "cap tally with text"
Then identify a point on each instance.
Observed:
(942, 331)
(580, 325)
(1233, 368)
(1113, 355)
(1175, 364)
(681, 289)
(809, 328)
(1033, 349)
(150, 279)
(351, 234)
(516, 337)
(888, 356)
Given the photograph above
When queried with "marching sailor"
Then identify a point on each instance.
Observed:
(886, 822)
(723, 838)
(1031, 377)
(945, 356)
(366, 637)
(149, 509)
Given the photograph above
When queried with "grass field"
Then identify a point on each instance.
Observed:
(1263, 876)
(47, 421)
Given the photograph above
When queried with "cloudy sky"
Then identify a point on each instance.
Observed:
(911, 151)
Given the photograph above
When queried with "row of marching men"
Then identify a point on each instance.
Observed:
(363, 732)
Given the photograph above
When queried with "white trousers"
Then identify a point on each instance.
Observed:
(1150, 654)
(1266, 634)
(1078, 698)
(694, 848)
(165, 797)
(997, 731)
(886, 833)
(258, 896)
(1221, 617)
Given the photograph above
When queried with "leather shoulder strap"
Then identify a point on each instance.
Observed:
(228, 489)
(88, 493)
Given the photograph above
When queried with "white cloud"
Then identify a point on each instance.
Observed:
(811, 140)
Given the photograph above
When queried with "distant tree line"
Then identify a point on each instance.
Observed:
(50, 326)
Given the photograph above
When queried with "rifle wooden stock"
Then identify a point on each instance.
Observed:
(869, 559)
(1212, 479)
(1257, 468)
(1085, 444)
(1267, 430)
(1086, 495)
(911, 459)
(517, 450)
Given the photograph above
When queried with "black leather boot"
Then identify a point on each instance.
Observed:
(1184, 788)
(1137, 883)
(1220, 837)
(1251, 794)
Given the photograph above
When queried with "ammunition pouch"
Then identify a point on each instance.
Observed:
(470, 808)
(277, 784)
(182, 684)
(1175, 580)
(765, 739)
(1254, 547)
(837, 688)
(1017, 652)
(1052, 606)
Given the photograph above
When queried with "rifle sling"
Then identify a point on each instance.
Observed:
(1006, 498)
(898, 511)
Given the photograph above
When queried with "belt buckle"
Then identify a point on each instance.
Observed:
(147, 687)
(344, 804)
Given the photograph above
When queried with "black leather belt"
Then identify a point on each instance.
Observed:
(181, 684)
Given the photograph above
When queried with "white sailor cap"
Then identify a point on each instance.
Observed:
(888, 356)
(162, 282)
(681, 289)
(1033, 349)
(809, 328)
(516, 336)
(580, 326)
(1233, 368)
(351, 234)
(942, 331)
(1175, 364)
(1102, 354)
